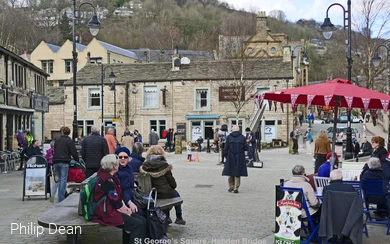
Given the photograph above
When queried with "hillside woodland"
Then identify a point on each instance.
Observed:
(196, 25)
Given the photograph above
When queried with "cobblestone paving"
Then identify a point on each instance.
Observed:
(213, 214)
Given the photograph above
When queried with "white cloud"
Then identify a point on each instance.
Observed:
(294, 9)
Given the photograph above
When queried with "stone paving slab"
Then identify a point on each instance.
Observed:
(213, 214)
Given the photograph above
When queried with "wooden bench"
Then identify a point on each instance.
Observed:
(67, 214)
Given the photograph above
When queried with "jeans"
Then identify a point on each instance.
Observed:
(62, 171)
(177, 208)
(251, 152)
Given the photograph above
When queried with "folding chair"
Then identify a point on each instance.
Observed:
(373, 194)
(311, 228)
(356, 185)
(320, 181)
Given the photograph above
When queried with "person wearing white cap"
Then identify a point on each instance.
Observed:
(235, 165)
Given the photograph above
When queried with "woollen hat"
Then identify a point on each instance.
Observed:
(329, 155)
(122, 149)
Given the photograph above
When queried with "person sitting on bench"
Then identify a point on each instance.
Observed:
(162, 179)
(115, 212)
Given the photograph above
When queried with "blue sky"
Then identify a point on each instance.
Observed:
(294, 9)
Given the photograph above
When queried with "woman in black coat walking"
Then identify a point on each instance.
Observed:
(235, 165)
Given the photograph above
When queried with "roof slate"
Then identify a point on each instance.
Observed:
(53, 47)
(80, 47)
(166, 55)
(118, 50)
(255, 69)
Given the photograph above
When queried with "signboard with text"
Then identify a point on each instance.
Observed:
(269, 132)
(231, 93)
(181, 130)
(35, 177)
(288, 211)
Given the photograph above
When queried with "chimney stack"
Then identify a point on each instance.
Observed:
(261, 24)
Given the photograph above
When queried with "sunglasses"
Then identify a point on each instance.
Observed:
(123, 157)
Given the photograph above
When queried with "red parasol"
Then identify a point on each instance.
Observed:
(325, 94)
(335, 93)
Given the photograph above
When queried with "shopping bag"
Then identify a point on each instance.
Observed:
(155, 218)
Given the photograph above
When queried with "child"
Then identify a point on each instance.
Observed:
(189, 155)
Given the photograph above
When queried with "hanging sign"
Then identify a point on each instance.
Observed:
(288, 211)
(310, 99)
(349, 101)
(327, 99)
(385, 105)
(294, 98)
(35, 177)
(366, 102)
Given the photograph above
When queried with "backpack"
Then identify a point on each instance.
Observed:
(292, 134)
(86, 198)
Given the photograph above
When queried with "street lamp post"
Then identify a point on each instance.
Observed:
(94, 26)
(111, 76)
(327, 29)
(376, 60)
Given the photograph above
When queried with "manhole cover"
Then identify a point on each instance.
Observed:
(203, 186)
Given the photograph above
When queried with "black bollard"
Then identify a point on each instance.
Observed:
(208, 146)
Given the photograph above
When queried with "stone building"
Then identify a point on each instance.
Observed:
(186, 97)
(23, 101)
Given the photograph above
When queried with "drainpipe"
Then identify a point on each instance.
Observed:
(127, 99)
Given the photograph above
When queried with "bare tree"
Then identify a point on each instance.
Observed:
(372, 22)
(277, 14)
(237, 66)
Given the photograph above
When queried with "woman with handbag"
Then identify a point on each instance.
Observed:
(162, 179)
(113, 211)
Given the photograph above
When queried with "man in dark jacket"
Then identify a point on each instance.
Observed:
(251, 141)
(366, 148)
(33, 149)
(376, 173)
(337, 184)
(235, 165)
(64, 149)
(94, 149)
(136, 157)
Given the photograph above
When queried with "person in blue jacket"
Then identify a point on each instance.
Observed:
(125, 175)
(136, 157)
(324, 169)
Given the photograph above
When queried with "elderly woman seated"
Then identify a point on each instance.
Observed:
(115, 212)
(299, 180)
(160, 171)
(375, 172)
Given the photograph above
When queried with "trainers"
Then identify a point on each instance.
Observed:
(169, 220)
(230, 190)
(180, 222)
(235, 191)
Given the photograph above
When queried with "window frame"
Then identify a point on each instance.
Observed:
(66, 66)
(89, 101)
(154, 106)
(208, 99)
(158, 128)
